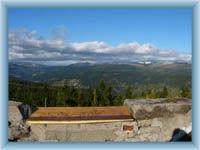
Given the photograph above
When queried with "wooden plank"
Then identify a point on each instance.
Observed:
(80, 114)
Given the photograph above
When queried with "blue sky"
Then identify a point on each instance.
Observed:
(163, 28)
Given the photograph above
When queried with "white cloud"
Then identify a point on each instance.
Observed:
(25, 45)
(94, 46)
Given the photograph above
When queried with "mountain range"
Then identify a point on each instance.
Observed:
(174, 74)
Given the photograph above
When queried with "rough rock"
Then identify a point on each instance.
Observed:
(16, 132)
(169, 125)
(21, 109)
(17, 128)
(154, 108)
(14, 103)
(14, 115)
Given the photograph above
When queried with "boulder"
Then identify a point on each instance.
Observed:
(14, 115)
(154, 108)
(18, 111)
(17, 127)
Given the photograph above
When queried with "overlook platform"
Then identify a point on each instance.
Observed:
(77, 115)
(138, 120)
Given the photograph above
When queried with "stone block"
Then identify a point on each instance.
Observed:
(154, 108)
(39, 131)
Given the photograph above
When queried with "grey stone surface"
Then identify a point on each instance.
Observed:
(142, 109)
(83, 132)
(18, 130)
(163, 127)
(57, 132)
(144, 123)
(39, 131)
(92, 135)
(150, 129)
(158, 118)
(14, 115)
(14, 103)
(156, 122)
(179, 121)
(15, 121)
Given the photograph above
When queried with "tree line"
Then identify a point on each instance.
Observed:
(105, 94)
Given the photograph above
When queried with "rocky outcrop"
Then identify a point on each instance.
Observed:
(17, 128)
(14, 116)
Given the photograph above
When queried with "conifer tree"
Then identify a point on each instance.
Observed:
(94, 100)
(128, 92)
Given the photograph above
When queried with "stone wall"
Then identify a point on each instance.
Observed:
(116, 131)
(154, 120)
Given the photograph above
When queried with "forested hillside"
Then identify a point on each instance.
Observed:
(89, 75)
(105, 94)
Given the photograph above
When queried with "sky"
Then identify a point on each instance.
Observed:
(99, 35)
